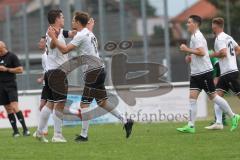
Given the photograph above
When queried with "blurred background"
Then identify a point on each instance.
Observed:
(156, 28)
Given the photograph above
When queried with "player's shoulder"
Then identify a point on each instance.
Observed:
(222, 36)
(198, 35)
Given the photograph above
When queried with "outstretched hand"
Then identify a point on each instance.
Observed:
(91, 24)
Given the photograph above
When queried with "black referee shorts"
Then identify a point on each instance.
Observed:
(56, 86)
(203, 82)
(94, 86)
(229, 82)
(8, 92)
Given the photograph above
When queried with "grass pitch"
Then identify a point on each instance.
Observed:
(153, 141)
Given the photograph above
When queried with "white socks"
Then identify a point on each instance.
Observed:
(57, 122)
(223, 104)
(218, 114)
(192, 112)
(114, 111)
(85, 123)
(43, 120)
(117, 114)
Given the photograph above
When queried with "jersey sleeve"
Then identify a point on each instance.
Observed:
(76, 41)
(234, 43)
(15, 62)
(198, 43)
(220, 44)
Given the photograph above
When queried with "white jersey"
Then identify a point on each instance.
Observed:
(199, 64)
(87, 44)
(44, 62)
(54, 56)
(227, 64)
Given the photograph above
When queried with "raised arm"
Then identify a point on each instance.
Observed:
(64, 49)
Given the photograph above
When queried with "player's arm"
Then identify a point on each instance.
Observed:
(220, 54)
(62, 47)
(52, 45)
(71, 34)
(237, 50)
(187, 50)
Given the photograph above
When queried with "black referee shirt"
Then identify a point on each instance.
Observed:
(9, 60)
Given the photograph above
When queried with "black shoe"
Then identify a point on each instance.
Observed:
(80, 138)
(128, 127)
(16, 134)
(26, 133)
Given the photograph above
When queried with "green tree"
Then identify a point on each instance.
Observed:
(234, 6)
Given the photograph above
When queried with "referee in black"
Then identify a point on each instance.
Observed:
(9, 67)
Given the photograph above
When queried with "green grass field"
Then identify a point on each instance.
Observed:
(149, 141)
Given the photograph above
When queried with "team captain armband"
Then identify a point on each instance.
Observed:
(65, 33)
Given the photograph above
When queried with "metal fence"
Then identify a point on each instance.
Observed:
(22, 25)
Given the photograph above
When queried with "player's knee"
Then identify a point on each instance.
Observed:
(9, 109)
(102, 103)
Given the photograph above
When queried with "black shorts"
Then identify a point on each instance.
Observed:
(203, 82)
(229, 81)
(94, 86)
(56, 86)
(8, 92)
(44, 93)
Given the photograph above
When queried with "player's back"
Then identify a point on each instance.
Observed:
(88, 43)
(227, 64)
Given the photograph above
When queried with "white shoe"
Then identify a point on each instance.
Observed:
(35, 134)
(40, 137)
(58, 139)
(215, 126)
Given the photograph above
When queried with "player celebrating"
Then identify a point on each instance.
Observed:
(224, 47)
(86, 43)
(201, 75)
(54, 78)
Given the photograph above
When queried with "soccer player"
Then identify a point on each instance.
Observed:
(86, 43)
(225, 47)
(201, 75)
(40, 80)
(55, 81)
(9, 67)
(216, 75)
(55, 89)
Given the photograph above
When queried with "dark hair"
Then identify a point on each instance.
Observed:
(196, 19)
(218, 21)
(53, 15)
(43, 37)
(82, 17)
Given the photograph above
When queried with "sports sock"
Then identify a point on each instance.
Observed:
(43, 120)
(13, 122)
(85, 123)
(223, 104)
(218, 113)
(58, 120)
(192, 112)
(21, 120)
(114, 111)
